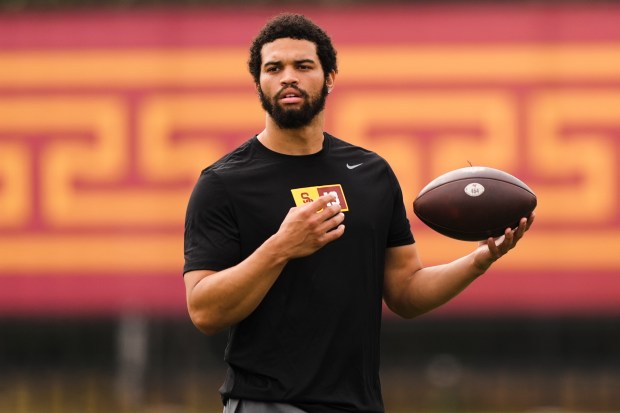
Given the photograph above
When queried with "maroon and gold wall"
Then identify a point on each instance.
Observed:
(106, 119)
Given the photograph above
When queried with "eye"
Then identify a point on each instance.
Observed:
(272, 68)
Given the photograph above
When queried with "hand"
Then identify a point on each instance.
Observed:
(492, 249)
(309, 227)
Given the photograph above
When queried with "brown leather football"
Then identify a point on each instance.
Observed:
(474, 203)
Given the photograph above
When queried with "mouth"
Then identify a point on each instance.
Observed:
(290, 96)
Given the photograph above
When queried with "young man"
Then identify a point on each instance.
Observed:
(293, 240)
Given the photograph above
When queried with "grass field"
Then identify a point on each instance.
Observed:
(477, 392)
(526, 366)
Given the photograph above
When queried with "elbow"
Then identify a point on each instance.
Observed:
(205, 322)
(407, 312)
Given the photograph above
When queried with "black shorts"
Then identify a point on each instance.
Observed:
(250, 406)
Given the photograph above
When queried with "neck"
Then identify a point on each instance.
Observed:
(301, 141)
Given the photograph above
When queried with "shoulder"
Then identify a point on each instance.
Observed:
(213, 179)
(355, 154)
(342, 147)
(232, 160)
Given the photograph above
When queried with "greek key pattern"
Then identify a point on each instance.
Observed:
(96, 165)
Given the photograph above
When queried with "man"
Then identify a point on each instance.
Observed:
(293, 239)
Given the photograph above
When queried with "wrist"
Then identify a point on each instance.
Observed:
(275, 251)
(481, 261)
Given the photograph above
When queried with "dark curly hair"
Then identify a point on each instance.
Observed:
(294, 26)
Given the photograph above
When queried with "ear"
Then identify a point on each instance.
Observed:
(330, 81)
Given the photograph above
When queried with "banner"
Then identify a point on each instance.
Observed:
(107, 118)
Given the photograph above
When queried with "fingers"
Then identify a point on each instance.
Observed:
(530, 220)
(325, 202)
(524, 225)
(330, 218)
(323, 209)
(497, 246)
(494, 248)
(313, 225)
(500, 246)
(333, 234)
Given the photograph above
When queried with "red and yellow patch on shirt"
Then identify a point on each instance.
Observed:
(311, 193)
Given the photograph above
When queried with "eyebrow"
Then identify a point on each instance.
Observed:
(279, 62)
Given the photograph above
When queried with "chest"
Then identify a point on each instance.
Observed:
(264, 197)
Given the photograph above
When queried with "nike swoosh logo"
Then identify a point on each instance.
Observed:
(354, 166)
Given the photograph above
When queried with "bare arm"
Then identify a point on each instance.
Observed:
(216, 300)
(410, 289)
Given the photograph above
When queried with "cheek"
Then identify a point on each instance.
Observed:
(267, 88)
(260, 89)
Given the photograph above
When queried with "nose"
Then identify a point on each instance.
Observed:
(289, 76)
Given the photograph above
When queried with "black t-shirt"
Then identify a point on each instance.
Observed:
(314, 339)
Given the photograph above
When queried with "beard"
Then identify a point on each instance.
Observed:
(294, 118)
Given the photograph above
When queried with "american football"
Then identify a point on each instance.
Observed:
(474, 203)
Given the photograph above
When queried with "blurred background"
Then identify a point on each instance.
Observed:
(110, 109)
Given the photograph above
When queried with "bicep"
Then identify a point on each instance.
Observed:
(211, 238)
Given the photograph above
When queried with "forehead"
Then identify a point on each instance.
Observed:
(288, 49)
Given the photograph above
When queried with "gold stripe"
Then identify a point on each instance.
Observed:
(163, 253)
(141, 254)
(482, 63)
(374, 64)
(537, 251)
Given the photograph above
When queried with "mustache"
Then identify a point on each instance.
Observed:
(302, 92)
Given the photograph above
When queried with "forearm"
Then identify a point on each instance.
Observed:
(431, 287)
(414, 289)
(224, 298)
(410, 289)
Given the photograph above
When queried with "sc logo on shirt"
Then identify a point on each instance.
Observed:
(310, 194)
